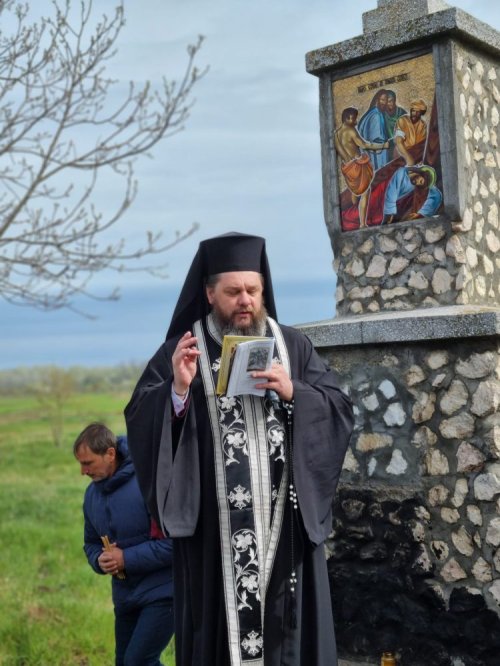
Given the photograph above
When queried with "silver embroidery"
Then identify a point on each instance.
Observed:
(275, 433)
(240, 497)
(233, 431)
(252, 643)
(226, 404)
(276, 436)
(246, 567)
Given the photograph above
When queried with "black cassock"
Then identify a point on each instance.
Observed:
(217, 481)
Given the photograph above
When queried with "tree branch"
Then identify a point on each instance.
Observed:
(60, 134)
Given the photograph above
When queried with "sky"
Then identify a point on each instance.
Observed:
(248, 161)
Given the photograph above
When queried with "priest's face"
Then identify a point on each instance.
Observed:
(237, 302)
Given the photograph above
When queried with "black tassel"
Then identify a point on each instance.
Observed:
(292, 609)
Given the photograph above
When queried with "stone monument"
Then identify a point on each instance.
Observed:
(410, 124)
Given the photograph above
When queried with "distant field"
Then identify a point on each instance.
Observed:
(55, 611)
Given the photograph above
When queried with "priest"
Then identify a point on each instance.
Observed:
(244, 484)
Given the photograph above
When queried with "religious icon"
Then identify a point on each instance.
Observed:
(387, 142)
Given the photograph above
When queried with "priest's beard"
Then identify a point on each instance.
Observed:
(226, 326)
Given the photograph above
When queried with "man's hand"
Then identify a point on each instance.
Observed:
(277, 380)
(184, 362)
(111, 561)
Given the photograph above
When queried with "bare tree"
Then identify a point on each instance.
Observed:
(53, 393)
(59, 130)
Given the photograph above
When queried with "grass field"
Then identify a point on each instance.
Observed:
(55, 611)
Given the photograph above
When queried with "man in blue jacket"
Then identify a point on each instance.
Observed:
(121, 540)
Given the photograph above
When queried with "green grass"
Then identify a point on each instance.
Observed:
(55, 611)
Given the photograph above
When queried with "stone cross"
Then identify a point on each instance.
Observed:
(392, 12)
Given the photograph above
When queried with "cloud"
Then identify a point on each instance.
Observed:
(249, 160)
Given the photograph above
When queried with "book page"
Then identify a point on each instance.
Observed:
(249, 357)
(229, 345)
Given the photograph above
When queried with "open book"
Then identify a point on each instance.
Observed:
(242, 355)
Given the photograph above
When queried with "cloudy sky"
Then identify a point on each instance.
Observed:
(248, 160)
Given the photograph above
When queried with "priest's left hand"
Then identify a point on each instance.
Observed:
(277, 380)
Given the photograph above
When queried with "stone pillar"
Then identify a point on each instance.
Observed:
(412, 210)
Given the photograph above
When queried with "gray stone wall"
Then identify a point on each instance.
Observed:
(475, 241)
(419, 497)
(439, 261)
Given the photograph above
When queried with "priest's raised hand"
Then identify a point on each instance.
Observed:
(184, 362)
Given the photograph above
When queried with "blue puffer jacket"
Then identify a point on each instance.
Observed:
(115, 507)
